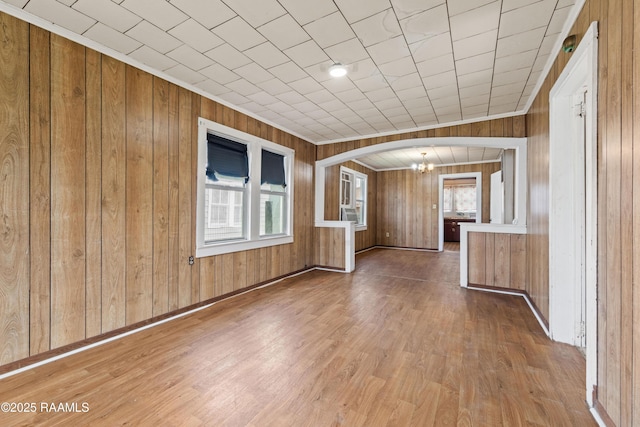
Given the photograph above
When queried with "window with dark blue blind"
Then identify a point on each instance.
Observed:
(272, 169)
(226, 158)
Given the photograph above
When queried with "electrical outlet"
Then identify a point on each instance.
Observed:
(434, 206)
(387, 234)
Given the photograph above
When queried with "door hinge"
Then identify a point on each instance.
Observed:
(580, 329)
(580, 110)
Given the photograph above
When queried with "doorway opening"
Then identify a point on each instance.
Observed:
(461, 203)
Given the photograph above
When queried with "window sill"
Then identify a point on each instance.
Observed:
(361, 228)
(245, 245)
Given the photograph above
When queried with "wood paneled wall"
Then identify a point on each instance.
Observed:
(366, 238)
(329, 248)
(507, 127)
(618, 201)
(405, 204)
(497, 260)
(97, 196)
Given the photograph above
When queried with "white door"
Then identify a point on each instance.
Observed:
(497, 198)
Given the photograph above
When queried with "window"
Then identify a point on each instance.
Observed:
(353, 196)
(244, 191)
(459, 200)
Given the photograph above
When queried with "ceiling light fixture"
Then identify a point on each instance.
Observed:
(424, 166)
(338, 70)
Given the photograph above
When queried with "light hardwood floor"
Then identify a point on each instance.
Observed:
(396, 343)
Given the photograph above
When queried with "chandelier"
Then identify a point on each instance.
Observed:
(424, 166)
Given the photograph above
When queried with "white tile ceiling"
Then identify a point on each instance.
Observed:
(439, 156)
(413, 63)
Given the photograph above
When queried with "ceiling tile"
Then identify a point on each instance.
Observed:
(305, 12)
(475, 63)
(196, 36)
(347, 52)
(441, 103)
(239, 34)
(482, 100)
(475, 45)
(284, 32)
(220, 74)
(371, 83)
(406, 82)
(154, 37)
(338, 85)
(350, 95)
(17, 3)
(306, 54)
(263, 98)
(254, 73)
(159, 12)
(235, 98)
(109, 13)
(291, 97)
(442, 92)
(456, 7)
(228, 56)
(152, 58)
(209, 13)
(256, 13)
(432, 47)
(520, 42)
(274, 87)
(185, 74)
(389, 50)
(508, 5)
(508, 89)
(514, 62)
(398, 68)
(377, 28)
(557, 20)
(484, 76)
(405, 8)
(380, 94)
(526, 18)
(111, 38)
(426, 24)
(288, 72)
(59, 14)
(356, 10)
(477, 90)
(266, 55)
(436, 66)
(413, 93)
(449, 117)
(330, 30)
(212, 87)
(243, 87)
(447, 78)
(391, 102)
(514, 76)
(321, 96)
(190, 57)
(476, 21)
(363, 69)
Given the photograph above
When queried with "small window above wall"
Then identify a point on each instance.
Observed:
(353, 197)
(245, 191)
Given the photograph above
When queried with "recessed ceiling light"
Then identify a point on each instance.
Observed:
(338, 70)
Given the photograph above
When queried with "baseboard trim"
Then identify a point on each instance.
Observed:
(49, 356)
(599, 413)
(517, 292)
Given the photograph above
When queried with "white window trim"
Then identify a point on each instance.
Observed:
(365, 177)
(254, 151)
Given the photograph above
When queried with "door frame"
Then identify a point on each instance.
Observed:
(441, 178)
(581, 71)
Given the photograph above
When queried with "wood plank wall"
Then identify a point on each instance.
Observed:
(329, 248)
(366, 238)
(497, 260)
(618, 390)
(507, 127)
(405, 204)
(98, 197)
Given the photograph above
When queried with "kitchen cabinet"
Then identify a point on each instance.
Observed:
(452, 228)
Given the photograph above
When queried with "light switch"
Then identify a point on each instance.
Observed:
(434, 206)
